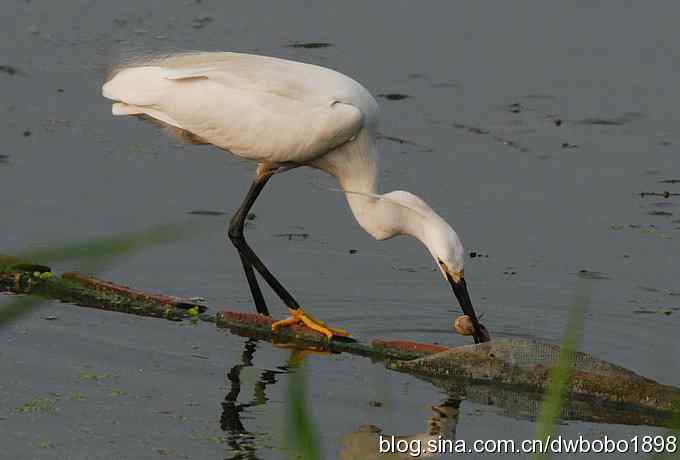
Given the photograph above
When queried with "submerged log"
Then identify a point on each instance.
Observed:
(526, 364)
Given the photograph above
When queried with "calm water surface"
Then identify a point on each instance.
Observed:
(540, 203)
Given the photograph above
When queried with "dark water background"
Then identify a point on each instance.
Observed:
(486, 80)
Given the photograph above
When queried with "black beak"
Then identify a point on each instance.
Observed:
(461, 291)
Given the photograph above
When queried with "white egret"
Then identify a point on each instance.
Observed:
(284, 114)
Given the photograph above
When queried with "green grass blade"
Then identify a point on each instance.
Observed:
(303, 438)
(17, 308)
(560, 374)
(109, 247)
(673, 433)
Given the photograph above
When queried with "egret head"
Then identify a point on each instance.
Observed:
(447, 250)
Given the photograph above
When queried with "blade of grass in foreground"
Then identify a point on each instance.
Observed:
(17, 308)
(95, 254)
(303, 439)
(671, 438)
(560, 374)
(106, 248)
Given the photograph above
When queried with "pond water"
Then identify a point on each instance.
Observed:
(531, 127)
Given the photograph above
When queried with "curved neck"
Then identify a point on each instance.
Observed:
(355, 165)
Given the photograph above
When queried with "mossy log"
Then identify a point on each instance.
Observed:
(260, 327)
(526, 364)
(27, 278)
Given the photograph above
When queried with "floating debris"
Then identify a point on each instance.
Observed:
(497, 138)
(611, 121)
(471, 129)
(515, 107)
(591, 275)
(201, 21)
(9, 70)
(665, 194)
(352, 251)
(660, 213)
(27, 133)
(205, 212)
(604, 121)
(395, 139)
(399, 140)
(567, 145)
(291, 236)
(38, 405)
(394, 96)
(659, 311)
(670, 181)
(309, 45)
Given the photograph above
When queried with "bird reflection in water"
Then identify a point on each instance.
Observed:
(362, 444)
(242, 442)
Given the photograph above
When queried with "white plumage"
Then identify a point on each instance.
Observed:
(245, 103)
(280, 112)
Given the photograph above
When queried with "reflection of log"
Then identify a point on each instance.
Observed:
(521, 403)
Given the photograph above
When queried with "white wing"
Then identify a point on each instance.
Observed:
(256, 107)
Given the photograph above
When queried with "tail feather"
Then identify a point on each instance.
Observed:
(139, 86)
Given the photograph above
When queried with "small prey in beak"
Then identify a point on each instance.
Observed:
(468, 323)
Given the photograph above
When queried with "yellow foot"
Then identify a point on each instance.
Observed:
(298, 316)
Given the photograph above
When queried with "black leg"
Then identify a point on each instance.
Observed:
(248, 257)
(258, 298)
